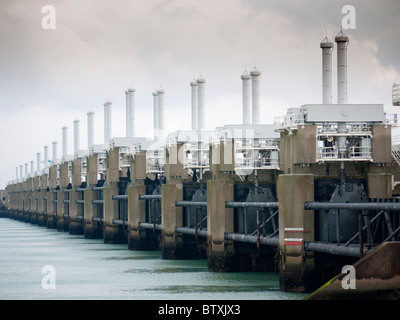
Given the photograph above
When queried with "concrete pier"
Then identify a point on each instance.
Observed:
(75, 224)
(51, 201)
(137, 208)
(92, 229)
(62, 194)
(172, 246)
(296, 225)
(111, 207)
(220, 220)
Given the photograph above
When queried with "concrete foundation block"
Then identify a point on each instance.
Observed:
(296, 225)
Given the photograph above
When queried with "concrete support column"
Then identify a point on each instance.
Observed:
(62, 223)
(41, 201)
(24, 198)
(29, 195)
(110, 206)
(36, 195)
(136, 207)
(220, 252)
(75, 226)
(296, 225)
(21, 203)
(51, 219)
(171, 216)
(92, 230)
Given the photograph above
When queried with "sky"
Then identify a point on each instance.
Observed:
(99, 48)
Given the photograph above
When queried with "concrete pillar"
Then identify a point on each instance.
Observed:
(296, 225)
(24, 200)
(41, 201)
(62, 223)
(171, 216)
(75, 225)
(110, 206)
(92, 229)
(50, 218)
(29, 195)
(36, 195)
(220, 252)
(136, 207)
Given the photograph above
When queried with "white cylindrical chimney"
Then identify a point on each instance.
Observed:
(255, 93)
(26, 169)
(16, 173)
(21, 175)
(54, 151)
(246, 98)
(64, 143)
(90, 128)
(38, 161)
(32, 166)
(130, 113)
(46, 156)
(155, 114)
(195, 112)
(107, 122)
(201, 103)
(342, 41)
(161, 106)
(327, 48)
(76, 136)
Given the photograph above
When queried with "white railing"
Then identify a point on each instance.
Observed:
(391, 118)
(364, 152)
(155, 161)
(124, 161)
(396, 149)
(290, 121)
(355, 152)
(196, 155)
(101, 163)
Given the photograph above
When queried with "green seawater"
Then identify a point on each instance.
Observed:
(89, 269)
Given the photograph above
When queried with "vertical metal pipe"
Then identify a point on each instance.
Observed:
(38, 161)
(64, 143)
(161, 101)
(255, 86)
(327, 48)
(54, 151)
(195, 111)
(201, 103)
(130, 113)
(246, 98)
(46, 157)
(107, 122)
(342, 41)
(155, 114)
(360, 236)
(90, 128)
(76, 136)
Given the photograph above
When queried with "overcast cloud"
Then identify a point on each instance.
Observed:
(51, 77)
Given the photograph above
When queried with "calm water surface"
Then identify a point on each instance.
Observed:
(90, 269)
